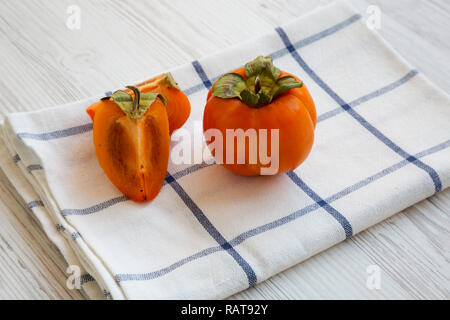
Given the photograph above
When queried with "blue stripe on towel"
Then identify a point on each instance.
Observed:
(86, 278)
(194, 89)
(321, 202)
(111, 202)
(186, 171)
(35, 203)
(370, 96)
(76, 235)
(163, 271)
(16, 158)
(202, 74)
(56, 134)
(431, 172)
(33, 167)
(281, 221)
(95, 208)
(209, 227)
(327, 32)
(107, 294)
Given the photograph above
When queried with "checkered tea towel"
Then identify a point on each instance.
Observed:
(382, 144)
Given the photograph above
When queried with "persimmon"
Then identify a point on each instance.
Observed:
(132, 141)
(177, 103)
(261, 96)
(178, 106)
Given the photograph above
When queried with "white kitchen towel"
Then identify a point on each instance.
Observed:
(382, 144)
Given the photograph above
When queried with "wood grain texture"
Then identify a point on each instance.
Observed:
(121, 42)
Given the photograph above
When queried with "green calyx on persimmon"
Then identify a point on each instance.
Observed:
(134, 107)
(261, 85)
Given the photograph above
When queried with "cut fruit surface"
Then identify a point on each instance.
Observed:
(133, 153)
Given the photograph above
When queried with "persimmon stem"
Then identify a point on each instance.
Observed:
(137, 97)
(257, 85)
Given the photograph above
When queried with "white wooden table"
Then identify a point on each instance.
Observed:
(44, 63)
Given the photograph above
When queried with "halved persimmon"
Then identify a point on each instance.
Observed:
(131, 138)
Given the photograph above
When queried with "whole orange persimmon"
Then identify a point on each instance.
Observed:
(260, 96)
